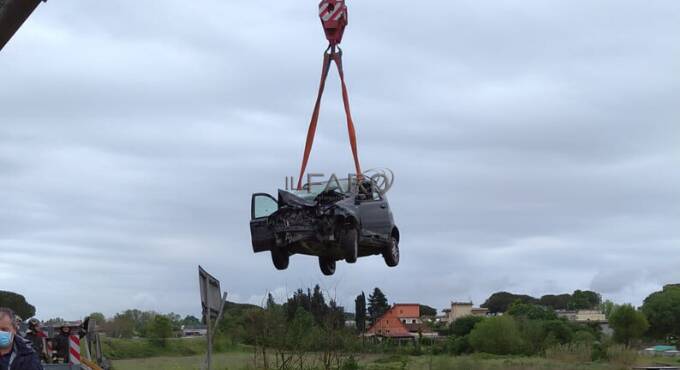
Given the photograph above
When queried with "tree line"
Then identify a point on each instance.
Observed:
(578, 300)
(658, 318)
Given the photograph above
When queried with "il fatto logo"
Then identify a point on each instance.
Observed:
(380, 179)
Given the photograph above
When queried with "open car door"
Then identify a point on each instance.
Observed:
(261, 207)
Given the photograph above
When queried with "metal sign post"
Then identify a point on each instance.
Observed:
(212, 303)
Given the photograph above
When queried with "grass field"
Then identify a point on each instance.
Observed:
(231, 361)
(243, 360)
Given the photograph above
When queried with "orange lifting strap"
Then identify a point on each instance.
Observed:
(328, 58)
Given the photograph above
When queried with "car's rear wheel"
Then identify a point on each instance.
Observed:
(327, 265)
(350, 245)
(280, 258)
(391, 253)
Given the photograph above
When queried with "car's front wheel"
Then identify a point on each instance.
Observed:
(391, 253)
(280, 258)
(350, 245)
(327, 265)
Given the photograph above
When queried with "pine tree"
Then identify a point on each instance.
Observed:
(318, 305)
(360, 312)
(300, 299)
(271, 303)
(335, 316)
(377, 304)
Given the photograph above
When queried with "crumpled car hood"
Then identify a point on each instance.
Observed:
(290, 199)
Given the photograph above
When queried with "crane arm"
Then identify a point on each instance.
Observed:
(13, 13)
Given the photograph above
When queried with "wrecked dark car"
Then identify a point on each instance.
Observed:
(332, 220)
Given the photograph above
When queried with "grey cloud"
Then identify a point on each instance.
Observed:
(535, 146)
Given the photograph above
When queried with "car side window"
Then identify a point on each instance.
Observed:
(263, 206)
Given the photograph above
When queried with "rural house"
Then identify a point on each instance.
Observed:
(400, 321)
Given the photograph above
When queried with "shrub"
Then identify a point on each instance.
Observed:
(497, 335)
(464, 325)
(350, 363)
(460, 346)
(583, 336)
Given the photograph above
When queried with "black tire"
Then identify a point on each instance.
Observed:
(350, 245)
(391, 253)
(280, 258)
(327, 265)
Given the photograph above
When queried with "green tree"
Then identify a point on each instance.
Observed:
(191, 320)
(377, 304)
(556, 302)
(607, 307)
(175, 320)
(497, 335)
(558, 331)
(121, 326)
(318, 306)
(539, 335)
(584, 300)
(335, 316)
(54, 321)
(98, 317)
(501, 301)
(300, 334)
(360, 312)
(628, 324)
(427, 310)
(270, 301)
(139, 320)
(464, 325)
(531, 311)
(662, 310)
(300, 299)
(17, 303)
(159, 329)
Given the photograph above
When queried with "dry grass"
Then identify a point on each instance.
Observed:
(570, 352)
(621, 357)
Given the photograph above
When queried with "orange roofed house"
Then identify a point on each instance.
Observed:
(400, 321)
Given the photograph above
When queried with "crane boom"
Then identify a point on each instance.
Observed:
(13, 13)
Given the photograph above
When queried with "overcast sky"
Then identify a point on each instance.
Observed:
(535, 146)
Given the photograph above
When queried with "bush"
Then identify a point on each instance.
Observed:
(464, 325)
(350, 363)
(570, 352)
(497, 335)
(583, 336)
(460, 346)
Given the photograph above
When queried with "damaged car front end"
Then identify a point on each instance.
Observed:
(328, 222)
